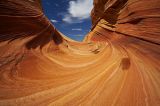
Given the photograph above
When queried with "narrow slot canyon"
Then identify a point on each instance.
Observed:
(116, 64)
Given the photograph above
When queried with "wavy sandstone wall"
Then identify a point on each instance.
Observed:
(116, 65)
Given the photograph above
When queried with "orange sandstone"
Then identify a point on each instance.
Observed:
(117, 64)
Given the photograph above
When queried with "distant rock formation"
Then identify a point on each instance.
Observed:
(117, 64)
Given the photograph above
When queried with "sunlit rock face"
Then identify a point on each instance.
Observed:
(116, 65)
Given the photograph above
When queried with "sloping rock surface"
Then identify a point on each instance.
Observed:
(117, 64)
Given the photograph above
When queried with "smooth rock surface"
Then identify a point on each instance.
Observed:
(117, 64)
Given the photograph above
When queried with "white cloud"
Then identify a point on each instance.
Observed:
(54, 21)
(76, 29)
(79, 35)
(78, 11)
(67, 18)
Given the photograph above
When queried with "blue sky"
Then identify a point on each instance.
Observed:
(71, 17)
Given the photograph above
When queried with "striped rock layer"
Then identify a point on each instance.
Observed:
(117, 64)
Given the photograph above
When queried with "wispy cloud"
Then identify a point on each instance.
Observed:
(57, 5)
(76, 29)
(78, 11)
(79, 35)
(54, 21)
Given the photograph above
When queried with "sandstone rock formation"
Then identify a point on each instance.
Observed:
(117, 64)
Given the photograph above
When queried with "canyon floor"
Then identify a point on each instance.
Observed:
(116, 64)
